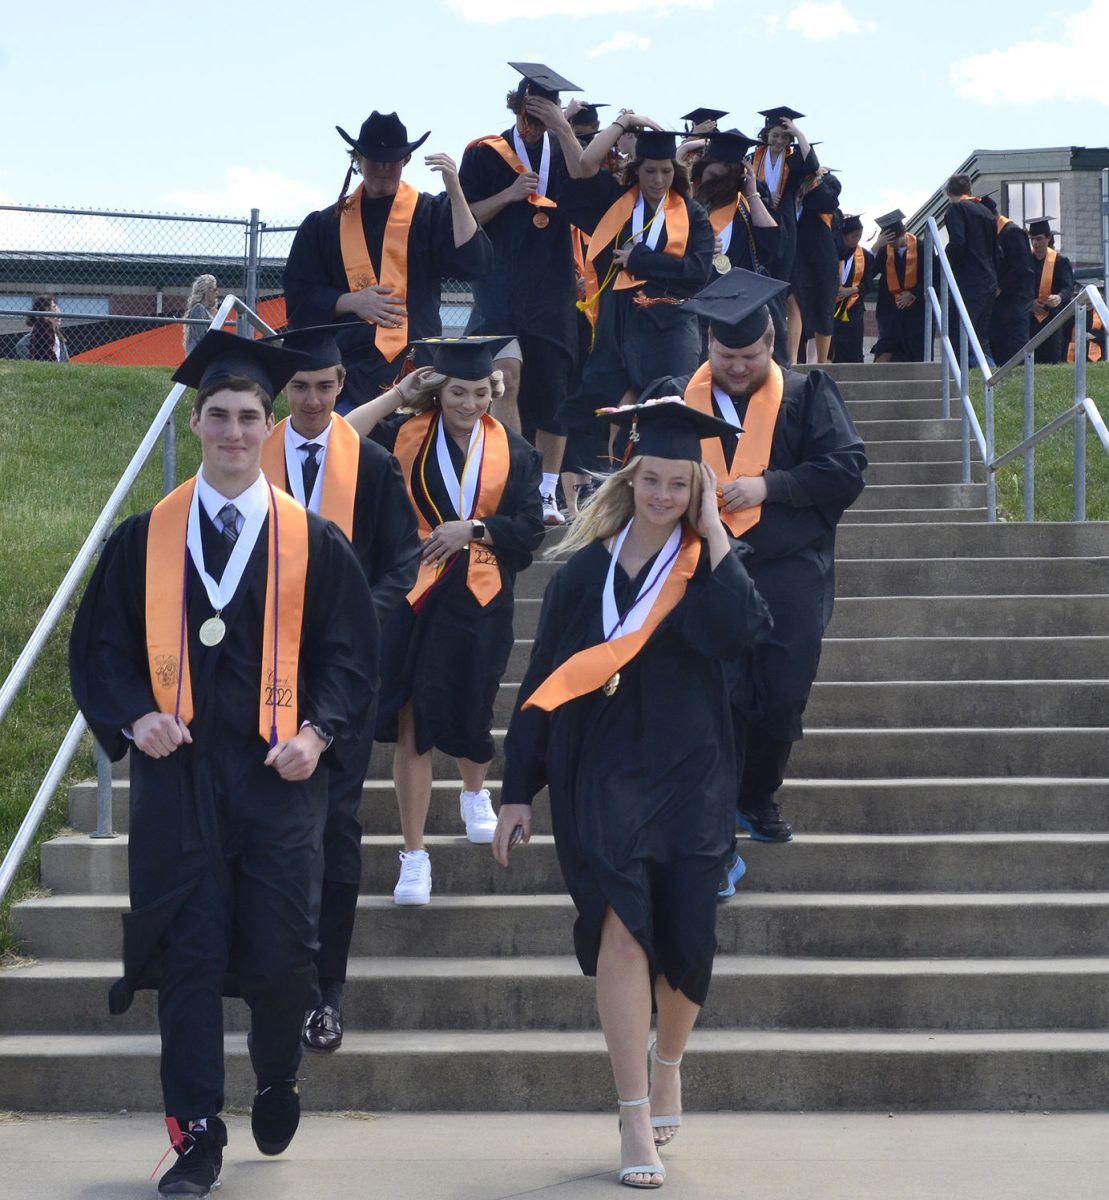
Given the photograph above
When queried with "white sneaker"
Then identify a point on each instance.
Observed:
(551, 515)
(476, 810)
(414, 884)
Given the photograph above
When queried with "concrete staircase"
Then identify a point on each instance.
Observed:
(937, 936)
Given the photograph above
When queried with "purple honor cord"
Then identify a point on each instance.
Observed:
(276, 610)
(181, 648)
(646, 591)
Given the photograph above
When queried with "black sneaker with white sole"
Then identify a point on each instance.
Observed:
(199, 1161)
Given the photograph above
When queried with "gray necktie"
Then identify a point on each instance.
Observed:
(310, 468)
(229, 516)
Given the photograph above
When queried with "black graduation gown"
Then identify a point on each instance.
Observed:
(187, 821)
(1016, 282)
(641, 783)
(801, 166)
(315, 279)
(972, 252)
(531, 287)
(847, 335)
(815, 473)
(815, 276)
(1062, 284)
(900, 330)
(753, 247)
(448, 657)
(635, 344)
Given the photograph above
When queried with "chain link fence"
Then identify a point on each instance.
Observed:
(122, 280)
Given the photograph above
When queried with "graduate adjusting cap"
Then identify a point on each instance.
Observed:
(464, 357)
(735, 305)
(851, 222)
(730, 146)
(704, 114)
(220, 356)
(540, 80)
(783, 112)
(1040, 227)
(587, 113)
(316, 342)
(651, 143)
(665, 427)
(382, 138)
(891, 221)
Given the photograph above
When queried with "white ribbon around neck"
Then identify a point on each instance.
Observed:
(544, 159)
(727, 408)
(294, 471)
(726, 236)
(463, 494)
(848, 266)
(648, 592)
(657, 224)
(221, 594)
(772, 171)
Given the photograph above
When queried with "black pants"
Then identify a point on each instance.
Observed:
(1008, 328)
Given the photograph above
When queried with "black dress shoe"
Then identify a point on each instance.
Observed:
(323, 1029)
(199, 1161)
(275, 1115)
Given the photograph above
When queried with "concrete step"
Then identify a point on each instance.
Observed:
(550, 993)
(879, 406)
(537, 1071)
(883, 473)
(915, 496)
(1038, 539)
(951, 658)
(847, 374)
(923, 516)
(913, 449)
(850, 925)
(906, 429)
(812, 862)
(890, 391)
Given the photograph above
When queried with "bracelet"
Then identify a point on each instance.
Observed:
(619, 126)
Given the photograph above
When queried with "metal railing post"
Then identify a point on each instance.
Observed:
(103, 794)
(964, 396)
(929, 324)
(945, 332)
(991, 474)
(1080, 415)
(169, 456)
(1105, 228)
(1029, 429)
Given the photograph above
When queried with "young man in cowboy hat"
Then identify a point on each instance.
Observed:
(375, 259)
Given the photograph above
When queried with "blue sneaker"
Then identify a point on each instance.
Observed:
(735, 871)
(766, 825)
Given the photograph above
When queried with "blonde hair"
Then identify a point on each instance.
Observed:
(428, 394)
(202, 285)
(612, 506)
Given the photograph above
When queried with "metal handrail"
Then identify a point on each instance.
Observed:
(48, 622)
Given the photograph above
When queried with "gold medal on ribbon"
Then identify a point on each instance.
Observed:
(541, 220)
(610, 687)
(212, 632)
(722, 263)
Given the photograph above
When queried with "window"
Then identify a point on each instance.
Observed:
(1027, 201)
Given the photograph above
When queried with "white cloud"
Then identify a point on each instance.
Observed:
(1071, 68)
(495, 12)
(245, 188)
(620, 40)
(823, 22)
(62, 232)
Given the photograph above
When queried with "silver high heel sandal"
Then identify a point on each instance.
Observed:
(626, 1173)
(671, 1121)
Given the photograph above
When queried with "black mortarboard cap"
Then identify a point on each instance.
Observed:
(735, 306)
(220, 356)
(704, 114)
(587, 113)
(782, 112)
(851, 222)
(654, 143)
(540, 80)
(316, 342)
(463, 357)
(382, 138)
(665, 428)
(890, 221)
(1040, 227)
(729, 146)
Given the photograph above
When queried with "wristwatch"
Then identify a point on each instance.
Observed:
(477, 531)
(320, 732)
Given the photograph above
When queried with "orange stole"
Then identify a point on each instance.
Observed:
(911, 266)
(608, 230)
(340, 470)
(1047, 279)
(415, 443)
(394, 257)
(758, 161)
(594, 666)
(1093, 349)
(858, 266)
(167, 647)
(508, 153)
(721, 218)
(752, 454)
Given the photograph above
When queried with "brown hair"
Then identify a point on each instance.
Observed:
(234, 383)
(958, 185)
(630, 175)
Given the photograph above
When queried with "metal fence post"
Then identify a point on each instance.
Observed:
(1029, 429)
(1105, 228)
(103, 795)
(252, 260)
(1080, 415)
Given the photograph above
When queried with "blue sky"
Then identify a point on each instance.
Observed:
(217, 107)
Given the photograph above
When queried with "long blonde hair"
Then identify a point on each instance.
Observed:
(428, 394)
(612, 506)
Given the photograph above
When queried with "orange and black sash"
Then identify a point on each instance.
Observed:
(340, 470)
(608, 230)
(1093, 348)
(858, 270)
(1047, 279)
(394, 257)
(912, 267)
(758, 161)
(415, 445)
(508, 153)
(167, 646)
(594, 666)
(752, 455)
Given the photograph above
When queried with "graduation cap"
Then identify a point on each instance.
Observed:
(654, 143)
(666, 427)
(891, 222)
(775, 116)
(587, 113)
(698, 115)
(463, 357)
(1039, 226)
(220, 356)
(540, 80)
(729, 146)
(382, 138)
(316, 342)
(851, 223)
(735, 306)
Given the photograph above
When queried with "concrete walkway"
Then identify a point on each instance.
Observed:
(498, 1156)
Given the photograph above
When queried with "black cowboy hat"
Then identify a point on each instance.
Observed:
(382, 138)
